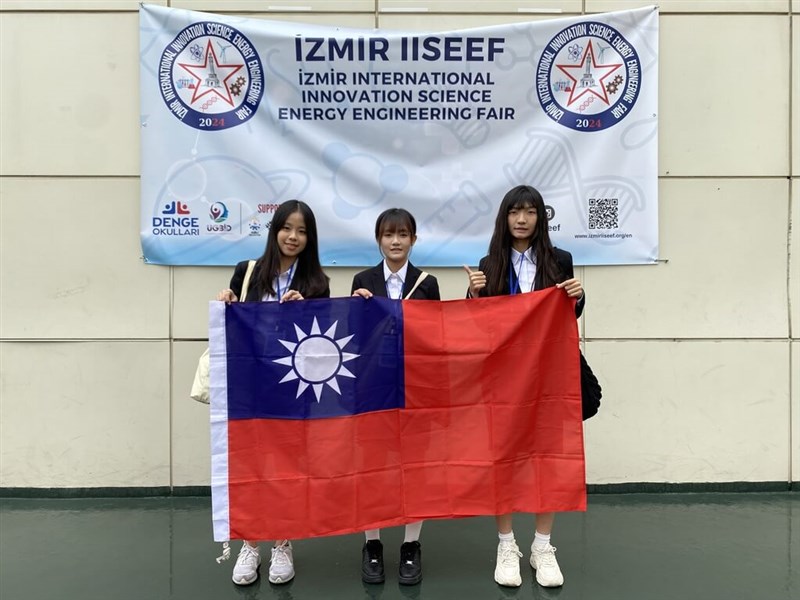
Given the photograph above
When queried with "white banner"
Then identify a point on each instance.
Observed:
(241, 114)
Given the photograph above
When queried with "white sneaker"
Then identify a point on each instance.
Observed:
(507, 570)
(548, 574)
(281, 565)
(245, 571)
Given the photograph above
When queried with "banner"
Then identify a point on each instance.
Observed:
(336, 416)
(239, 115)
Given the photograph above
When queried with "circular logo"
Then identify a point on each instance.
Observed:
(588, 77)
(210, 76)
(218, 212)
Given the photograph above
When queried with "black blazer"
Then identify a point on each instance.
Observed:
(372, 280)
(253, 295)
(564, 260)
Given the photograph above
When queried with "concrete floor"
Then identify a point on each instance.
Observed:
(628, 546)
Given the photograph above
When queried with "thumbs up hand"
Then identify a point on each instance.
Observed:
(477, 281)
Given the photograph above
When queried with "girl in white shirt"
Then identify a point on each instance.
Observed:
(521, 259)
(394, 277)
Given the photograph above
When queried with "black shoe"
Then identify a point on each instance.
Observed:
(410, 563)
(372, 562)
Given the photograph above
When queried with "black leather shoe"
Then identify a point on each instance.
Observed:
(410, 563)
(372, 562)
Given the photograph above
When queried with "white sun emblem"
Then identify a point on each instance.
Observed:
(316, 359)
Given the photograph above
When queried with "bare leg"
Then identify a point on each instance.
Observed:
(544, 522)
(504, 523)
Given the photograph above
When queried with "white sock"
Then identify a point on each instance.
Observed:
(373, 534)
(412, 531)
(506, 537)
(541, 541)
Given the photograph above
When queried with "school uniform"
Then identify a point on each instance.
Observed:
(281, 569)
(564, 260)
(381, 281)
(524, 276)
(284, 280)
(375, 280)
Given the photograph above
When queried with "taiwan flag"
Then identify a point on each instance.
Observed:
(336, 416)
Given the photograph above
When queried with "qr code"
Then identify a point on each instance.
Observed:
(603, 213)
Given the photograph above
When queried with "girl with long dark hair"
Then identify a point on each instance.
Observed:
(521, 259)
(288, 270)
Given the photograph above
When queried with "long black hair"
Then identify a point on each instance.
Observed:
(309, 279)
(496, 267)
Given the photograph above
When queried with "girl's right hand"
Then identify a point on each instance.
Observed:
(227, 296)
(364, 293)
(477, 281)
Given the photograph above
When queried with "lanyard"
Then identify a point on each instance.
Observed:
(514, 287)
(288, 282)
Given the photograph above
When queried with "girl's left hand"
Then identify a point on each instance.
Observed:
(573, 288)
(291, 295)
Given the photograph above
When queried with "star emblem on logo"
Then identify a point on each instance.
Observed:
(588, 76)
(212, 76)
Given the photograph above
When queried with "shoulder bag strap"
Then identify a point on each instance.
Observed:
(250, 266)
(422, 276)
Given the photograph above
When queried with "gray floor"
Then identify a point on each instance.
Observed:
(630, 546)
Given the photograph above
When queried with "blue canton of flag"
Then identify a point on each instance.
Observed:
(314, 358)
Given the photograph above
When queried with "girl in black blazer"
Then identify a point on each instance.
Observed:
(288, 270)
(521, 259)
(394, 277)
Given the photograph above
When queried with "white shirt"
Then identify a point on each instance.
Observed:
(280, 284)
(395, 281)
(525, 268)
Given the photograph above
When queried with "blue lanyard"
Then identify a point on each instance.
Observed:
(288, 282)
(515, 289)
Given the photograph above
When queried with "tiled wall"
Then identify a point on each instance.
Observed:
(699, 355)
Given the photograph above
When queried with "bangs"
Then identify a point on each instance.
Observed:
(522, 196)
(395, 220)
(397, 224)
(521, 203)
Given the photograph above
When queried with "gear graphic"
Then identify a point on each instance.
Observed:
(612, 87)
(235, 89)
(240, 81)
